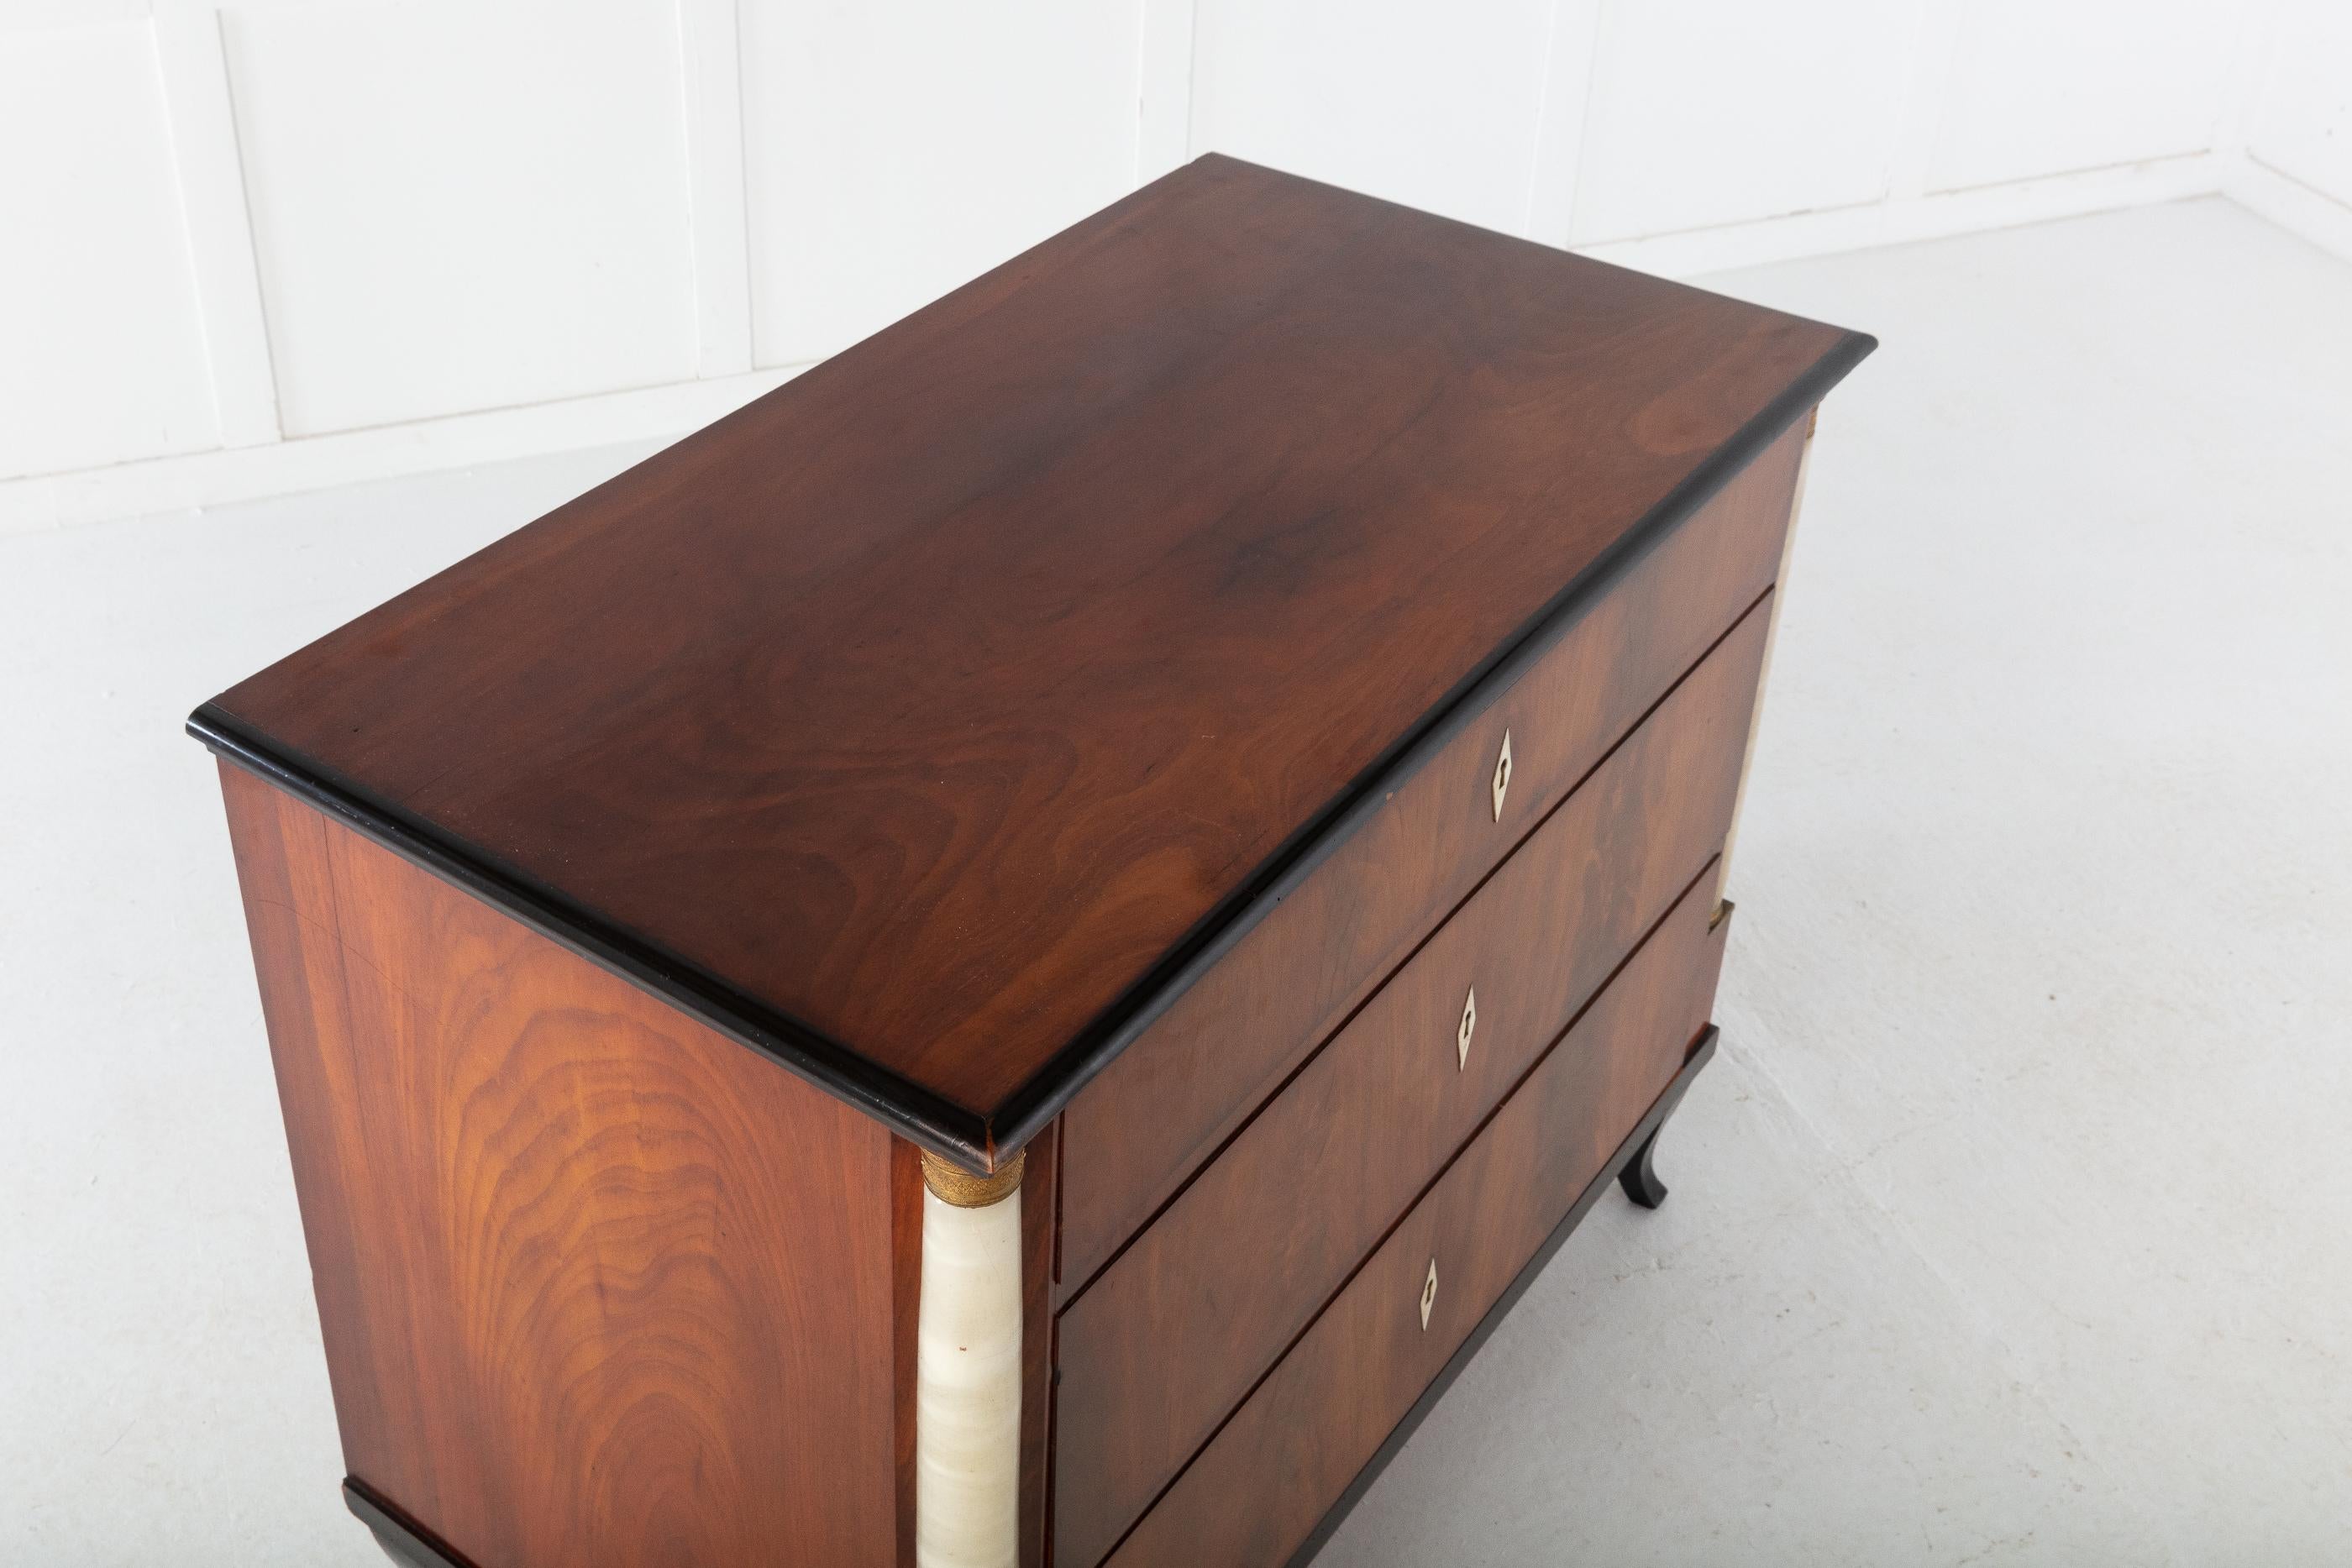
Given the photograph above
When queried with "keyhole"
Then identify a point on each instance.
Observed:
(1428, 1295)
(1502, 775)
(1464, 1030)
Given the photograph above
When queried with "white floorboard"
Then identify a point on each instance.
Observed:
(2014, 1223)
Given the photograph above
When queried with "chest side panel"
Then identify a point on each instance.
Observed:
(599, 1287)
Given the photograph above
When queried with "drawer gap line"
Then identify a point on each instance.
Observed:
(1698, 1055)
(1427, 936)
(1420, 1195)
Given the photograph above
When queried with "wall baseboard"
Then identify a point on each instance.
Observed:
(315, 463)
(288, 467)
(1901, 220)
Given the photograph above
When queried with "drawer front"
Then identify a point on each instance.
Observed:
(1139, 1129)
(1159, 1348)
(1256, 1491)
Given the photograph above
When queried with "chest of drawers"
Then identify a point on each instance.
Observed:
(1007, 955)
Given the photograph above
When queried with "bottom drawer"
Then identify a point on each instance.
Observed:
(1259, 1488)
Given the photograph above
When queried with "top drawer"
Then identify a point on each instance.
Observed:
(1135, 1133)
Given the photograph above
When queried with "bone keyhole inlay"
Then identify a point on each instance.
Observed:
(1502, 775)
(1464, 1030)
(1428, 1294)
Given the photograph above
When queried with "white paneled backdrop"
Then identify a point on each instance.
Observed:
(251, 246)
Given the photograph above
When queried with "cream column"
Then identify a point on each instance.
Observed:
(968, 1369)
(1764, 670)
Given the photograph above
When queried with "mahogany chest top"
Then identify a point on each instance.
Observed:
(933, 721)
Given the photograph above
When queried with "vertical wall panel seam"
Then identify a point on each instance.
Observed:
(216, 217)
(1166, 79)
(1191, 73)
(1544, 90)
(1564, 120)
(719, 218)
(2251, 64)
(1142, 124)
(1933, 59)
(743, 188)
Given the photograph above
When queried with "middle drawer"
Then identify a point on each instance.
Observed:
(1155, 1353)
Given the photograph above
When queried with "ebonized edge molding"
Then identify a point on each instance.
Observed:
(1701, 1054)
(403, 1539)
(936, 1123)
(983, 1141)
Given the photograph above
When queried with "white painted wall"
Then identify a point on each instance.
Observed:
(459, 206)
(258, 245)
(101, 352)
(2297, 126)
(894, 150)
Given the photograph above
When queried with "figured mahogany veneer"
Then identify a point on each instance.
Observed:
(583, 1304)
(1158, 1349)
(921, 721)
(1286, 1455)
(1145, 1124)
(1117, 715)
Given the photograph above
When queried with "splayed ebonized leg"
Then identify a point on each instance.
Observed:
(402, 1556)
(401, 1539)
(1640, 1177)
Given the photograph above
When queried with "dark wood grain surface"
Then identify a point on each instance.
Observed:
(1165, 1343)
(598, 1285)
(1139, 1129)
(917, 721)
(1261, 1485)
